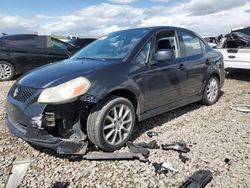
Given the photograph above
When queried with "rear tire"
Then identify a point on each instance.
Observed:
(211, 91)
(110, 123)
(7, 71)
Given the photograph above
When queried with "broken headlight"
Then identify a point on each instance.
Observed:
(65, 92)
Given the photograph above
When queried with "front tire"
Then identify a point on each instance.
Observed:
(110, 124)
(7, 71)
(211, 92)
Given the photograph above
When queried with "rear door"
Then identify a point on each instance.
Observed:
(236, 58)
(196, 63)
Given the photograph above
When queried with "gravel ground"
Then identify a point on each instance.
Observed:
(213, 134)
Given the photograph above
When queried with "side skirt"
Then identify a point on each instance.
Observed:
(168, 107)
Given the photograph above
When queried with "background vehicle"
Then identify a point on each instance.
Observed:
(79, 43)
(235, 48)
(106, 87)
(21, 53)
(211, 40)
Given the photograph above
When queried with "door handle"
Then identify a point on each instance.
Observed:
(232, 50)
(181, 67)
(231, 57)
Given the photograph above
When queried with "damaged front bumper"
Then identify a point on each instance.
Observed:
(56, 127)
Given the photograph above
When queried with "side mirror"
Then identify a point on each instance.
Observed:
(164, 55)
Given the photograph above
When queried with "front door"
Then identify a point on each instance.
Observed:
(163, 80)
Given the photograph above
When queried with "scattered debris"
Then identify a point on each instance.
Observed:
(198, 180)
(61, 185)
(18, 171)
(241, 107)
(183, 157)
(115, 156)
(163, 168)
(152, 133)
(151, 145)
(169, 167)
(180, 146)
(159, 169)
(226, 160)
(138, 149)
(1, 173)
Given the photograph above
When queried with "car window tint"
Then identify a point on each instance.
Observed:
(25, 41)
(143, 56)
(192, 44)
(58, 45)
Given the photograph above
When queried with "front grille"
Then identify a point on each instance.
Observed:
(22, 93)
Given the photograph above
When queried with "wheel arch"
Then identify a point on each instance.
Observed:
(216, 75)
(128, 95)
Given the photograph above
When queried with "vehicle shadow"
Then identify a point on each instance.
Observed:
(146, 125)
(238, 74)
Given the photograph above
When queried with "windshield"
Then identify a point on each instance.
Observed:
(113, 46)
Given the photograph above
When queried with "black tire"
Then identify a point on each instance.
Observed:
(98, 117)
(5, 66)
(207, 99)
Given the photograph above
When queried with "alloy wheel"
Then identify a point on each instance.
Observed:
(5, 71)
(212, 89)
(117, 124)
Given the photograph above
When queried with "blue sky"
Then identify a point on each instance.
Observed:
(96, 17)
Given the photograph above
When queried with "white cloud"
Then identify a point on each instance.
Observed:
(198, 7)
(122, 1)
(15, 24)
(103, 18)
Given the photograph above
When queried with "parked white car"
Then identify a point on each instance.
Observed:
(235, 48)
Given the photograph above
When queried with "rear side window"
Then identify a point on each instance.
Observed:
(58, 44)
(25, 41)
(192, 44)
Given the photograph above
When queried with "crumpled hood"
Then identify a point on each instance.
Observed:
(57, 73)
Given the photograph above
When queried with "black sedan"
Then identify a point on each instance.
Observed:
(103, 90)
(22, 53)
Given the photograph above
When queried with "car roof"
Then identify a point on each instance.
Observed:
(17, 35)
(158, 28)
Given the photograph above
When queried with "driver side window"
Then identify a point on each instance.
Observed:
(143, 56)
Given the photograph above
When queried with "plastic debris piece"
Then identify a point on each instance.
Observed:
(115, 156)
(152, 133)
(61, 185)
(159, 169)
(180, 146)
(138, 149)
(18, 171)
(198, 180)
(151, 145)
(241, 108)
(169, 167)
(183, 157)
